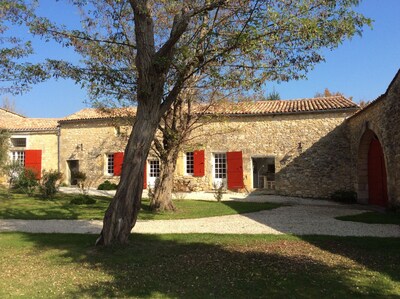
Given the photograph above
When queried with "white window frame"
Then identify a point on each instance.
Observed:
(19, 137)
(186, 157)
(222, 176)
(18, 156)
(109, 164)
(151, 168)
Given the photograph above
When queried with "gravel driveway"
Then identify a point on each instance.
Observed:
(303, 217)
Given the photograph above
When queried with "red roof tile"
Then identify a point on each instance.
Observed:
(30, 124)
(100, 113)
(16, 122)
(285, 106)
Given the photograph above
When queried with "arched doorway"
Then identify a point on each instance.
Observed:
(377, 181)
(372, 179)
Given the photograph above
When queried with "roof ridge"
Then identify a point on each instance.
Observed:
(12, 112)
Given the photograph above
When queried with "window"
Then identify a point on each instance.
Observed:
(110, 164)
(18, 142)
(18, 157)
(189, 163)
(154, 168)
(220, 166)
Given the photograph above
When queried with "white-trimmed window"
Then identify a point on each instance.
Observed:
(18, 157)
(189, 165)
(220, 165)
(18, 142)
(110, 164)
(154, 168)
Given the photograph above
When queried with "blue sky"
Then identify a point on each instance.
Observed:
(362, 67)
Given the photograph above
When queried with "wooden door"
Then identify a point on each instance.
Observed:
(377, 181)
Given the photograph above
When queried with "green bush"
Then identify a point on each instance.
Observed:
(48, 187)
(26, 181)
(344, 196)
(107, 185)
(82, 199)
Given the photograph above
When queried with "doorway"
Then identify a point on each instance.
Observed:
(73, 166)
(264, 173)
(377, 180)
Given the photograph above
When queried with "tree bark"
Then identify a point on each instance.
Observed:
(152, 68)
(162, 198)
(122, 213)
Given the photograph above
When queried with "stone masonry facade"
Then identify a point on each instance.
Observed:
(311, 148)
(381, 119)
(309, 151)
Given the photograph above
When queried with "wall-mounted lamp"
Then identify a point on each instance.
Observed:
(79, 147)
(299, 148)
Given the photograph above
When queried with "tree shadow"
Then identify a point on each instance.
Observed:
(59, 207)
(377, 254)
(206, 266)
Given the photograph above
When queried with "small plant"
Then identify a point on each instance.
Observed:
(80, 178)
(218, 191)
(344, 196)
(107, 185)
(179, 195)
(48, 186)
(82, 199)
(26, 181)
(12, 172)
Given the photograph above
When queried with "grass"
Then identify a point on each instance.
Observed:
(199, 266)
(373, 217)
(20, 206)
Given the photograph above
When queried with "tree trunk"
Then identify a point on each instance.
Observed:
(162, 198)
(122, 213)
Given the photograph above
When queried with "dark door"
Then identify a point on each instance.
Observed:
(377, 182)
(73, 166)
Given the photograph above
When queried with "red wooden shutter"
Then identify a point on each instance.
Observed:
(235, 170)
(145, 176)
(118, 160)
(198, 163)
(33, 161)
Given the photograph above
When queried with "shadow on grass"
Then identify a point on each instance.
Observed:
(210, 266)
(377, 254)
(38, 208)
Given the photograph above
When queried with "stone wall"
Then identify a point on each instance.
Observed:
(321, 168)
(381, 118)
(89, 142)
(316, 169)
(47, 142)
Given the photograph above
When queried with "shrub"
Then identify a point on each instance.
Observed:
(26, 181)
(344, 196)
(107, 185)
(82, 199)
(80, 178)
(218, 191)
(48, 187)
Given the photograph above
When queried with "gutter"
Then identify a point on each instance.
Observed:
(58, 148)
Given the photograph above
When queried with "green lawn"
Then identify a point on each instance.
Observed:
(19, 206)
(373, 217)
(199, 266)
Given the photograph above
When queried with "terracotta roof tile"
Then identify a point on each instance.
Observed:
(29, 124)
(16, 122)
(100, 113)
(285, 106)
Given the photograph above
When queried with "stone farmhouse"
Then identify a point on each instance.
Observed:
(307, 147)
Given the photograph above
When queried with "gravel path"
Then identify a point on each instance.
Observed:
(304, 217)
